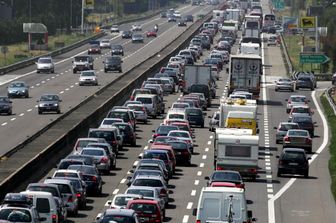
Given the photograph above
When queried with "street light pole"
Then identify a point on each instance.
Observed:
(30, 11)
(82, 24)
(70, 14)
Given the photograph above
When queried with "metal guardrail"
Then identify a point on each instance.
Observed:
(330, 99)
(288, 62)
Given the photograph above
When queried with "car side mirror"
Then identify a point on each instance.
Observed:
(207, 178)
(150, 141)
(277, 157)
(153, 131)
(194, 212)
(309, 158)
(286, 99)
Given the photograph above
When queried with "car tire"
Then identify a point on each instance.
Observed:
(312, 88)
(52, 71)
(276, 141)
(27, 95)
(287, 110)
(113, 167)
(37, 71)
(120, 71)
(133, 143)
(306, 174)
(58, 111)
(74, 71)
(39, 112)
(9, 112)
(275, 89)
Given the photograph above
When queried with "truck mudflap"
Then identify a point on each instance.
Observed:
(245, 171)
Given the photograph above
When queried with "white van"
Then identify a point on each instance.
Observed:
(150, 102)
(45, 205)
(222, 204)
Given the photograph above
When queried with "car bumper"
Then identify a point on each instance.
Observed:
(88, 82)
(292, 170)
(81, 68)
(16, 94)
(72, 206)
(44, 69)
(102, 166)
(284, 87)
(49, 108)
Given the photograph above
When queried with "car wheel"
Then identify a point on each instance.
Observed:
(39, 112)
(120, 71)
(312, 88)
(37, 71)
(105, 71)
(275, 89)
(27, 95)
(276, 141)
(306, 175)
(52, 71)
(9, 112)
(74, 71)
(114, 165)
(287, 110)
(58, 111)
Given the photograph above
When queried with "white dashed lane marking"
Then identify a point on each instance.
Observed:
(185, 219)
(196, 182)
(115, 191)
(193, 193)
(3, 124)
(22, 114)
(123, 181)
(189, 206)
(12, 119)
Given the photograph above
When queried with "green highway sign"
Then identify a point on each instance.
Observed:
(278, 4)
(313, 58)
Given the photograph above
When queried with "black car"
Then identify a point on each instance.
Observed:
(5, 105)
(91, 177)
(195, 116)
(189, 18)
(304, 121)
(304, 82)
(228, 176)
(293, 161)
(127, 131)
(182, 22)
(163, 130)
(49, 103)
(181, 151)
(126, 34)
(112, 63)
(117, 49)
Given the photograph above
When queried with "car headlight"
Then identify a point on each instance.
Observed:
(41, 105)
(5, 106)
(55, 104)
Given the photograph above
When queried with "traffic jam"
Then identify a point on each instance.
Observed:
(191, 77)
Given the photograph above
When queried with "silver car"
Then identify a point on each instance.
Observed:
(284, 84)
(88, 77)
(120, 200)
(101, 158)
(45, 64)
(298, 138)
(282, 129)
(18, 89)
(140, 112)
(295, 100)
(214, 121)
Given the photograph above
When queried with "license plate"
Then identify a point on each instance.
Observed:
(178, 153)
(144, 219)
(293, 164)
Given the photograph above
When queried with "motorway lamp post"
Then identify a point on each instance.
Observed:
(82, 20)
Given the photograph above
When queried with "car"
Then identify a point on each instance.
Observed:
(189, 18)
(45, 64)
(306, 75)
(49, 103)
(295, 100)
(148, 210)
(184, 136)
(163, 130)
(120, 200)
(195, 116)
(298, 138)
(136, 27)
(151, 164)
(65, 163)
(284, 84)
(301, 109)
(182, 152)
(117, 49)
(214, 121)
(282, 129)
(114, 29)
(112, 63)
(161, 155)
(127, 34)
(181, 22)
(137, 38)
(88, 77)
(304, 121)
(83, 142)
(6, 105)
(171, 18)
(127, 132)
(163, 14)
(146, 172)
(140, 112)
(81, 63)
(168, 149)
(94, 49)
(229, 176)
(177, 14)
(155, 182)
(103, 161)
(18, 89)
(112, 136)
(105, 43)
(304, 82)
(126, 114)
(118, 216)
(151, 33)
(19, 208)
(293, 161)
(91, 177)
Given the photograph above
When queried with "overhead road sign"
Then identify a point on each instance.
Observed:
(318, 58)
(307, 22)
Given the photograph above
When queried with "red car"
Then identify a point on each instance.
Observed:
(148, 211)
(151, 33)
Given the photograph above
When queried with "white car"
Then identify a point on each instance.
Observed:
(88, 77)
(108, 122)
(45, 64)
(136, 27)
(177, 14)
(104, 43)
(120, 200)
(114, 29)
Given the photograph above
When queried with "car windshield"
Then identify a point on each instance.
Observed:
(179, 134)
(87, 74)
(137, 35)
(80, 59)
(144, 208)
(225, 176)
(49, 98)
(93, 152)
(118, 219)
(44, 61)
(15, 215)
(154, 155)
(143, 192)
(298, 133)
(147, 182)
(164, 129)
(145, 100)
(66, 174)
(13, 85)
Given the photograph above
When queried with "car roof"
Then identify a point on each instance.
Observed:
(124, 212)
(57, 181)
(67, 171)
(293, 150)
(142, 201)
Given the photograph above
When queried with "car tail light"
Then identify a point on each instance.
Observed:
(70, 199)
(253, 170)
(241, 186)
(114, 142)
(94, 178)
(308, 141)
(78, 195)
(163, 192)
(104, 160)
(219, 168)
(287, 139)
(54, 218)
(198, 221)
(132, 98)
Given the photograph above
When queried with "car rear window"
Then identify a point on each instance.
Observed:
(65, 164)
(119, 114)
(298, 99)
(293, 155)
(298, 133)
(194, 112)
(302, 119)
(108, 135)
(93, 152)
(42, 205)
(145, 193)
(122, 201)
(164, 129)
(51, 190)
(144, 100)
(147, 183)
(84, 143)
(222, 176)
(144, 208)
(66, 174)
(285, 127)
(151, 155)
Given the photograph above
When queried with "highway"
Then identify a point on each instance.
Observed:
(16, 128)
(272, 199)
